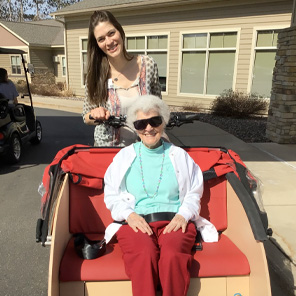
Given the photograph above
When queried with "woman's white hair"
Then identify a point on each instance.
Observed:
(147, 103)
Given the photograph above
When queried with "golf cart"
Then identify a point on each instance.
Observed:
(18, 123)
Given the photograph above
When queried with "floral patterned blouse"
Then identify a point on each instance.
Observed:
(148, 83)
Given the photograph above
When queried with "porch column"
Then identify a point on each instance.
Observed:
(281, 123)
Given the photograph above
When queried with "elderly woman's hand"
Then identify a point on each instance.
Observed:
(177, 222)
(136, 222)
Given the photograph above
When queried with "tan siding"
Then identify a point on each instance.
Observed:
(8, 39)
(5, 62)
(190, 18)
(74, 32)
(41, 59)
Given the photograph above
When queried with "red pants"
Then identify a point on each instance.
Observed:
(159, 257)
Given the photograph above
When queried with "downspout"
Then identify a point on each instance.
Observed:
(29, 61)
(293, 20)
(62, 20)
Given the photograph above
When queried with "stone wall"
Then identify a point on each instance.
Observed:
(281, 124)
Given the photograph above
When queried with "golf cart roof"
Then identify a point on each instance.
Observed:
(11, 51)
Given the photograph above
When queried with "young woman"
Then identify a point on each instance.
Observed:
(115, 79)
(156, 188)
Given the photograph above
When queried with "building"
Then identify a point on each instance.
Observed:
(44, 43)
(202, 47)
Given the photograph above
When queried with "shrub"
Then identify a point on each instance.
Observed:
(21, 86)
(44, 89)
(238, 104)
(192, 106)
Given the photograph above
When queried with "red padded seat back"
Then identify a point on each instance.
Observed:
(88, 213)
(214, 202)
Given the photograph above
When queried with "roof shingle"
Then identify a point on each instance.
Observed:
(43, 33)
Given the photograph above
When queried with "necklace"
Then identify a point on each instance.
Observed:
(116, 78)
(123, 68)
(142, 174)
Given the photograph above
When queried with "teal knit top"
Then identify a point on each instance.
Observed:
(167, 198)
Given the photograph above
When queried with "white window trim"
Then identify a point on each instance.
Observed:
(253, 50)
(181, 50)
(81, 59)
(63, 57)
(21, 66)
(146, 34)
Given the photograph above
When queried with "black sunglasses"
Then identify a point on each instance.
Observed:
(153, 121)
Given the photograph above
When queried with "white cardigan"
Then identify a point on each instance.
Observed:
(190, 181)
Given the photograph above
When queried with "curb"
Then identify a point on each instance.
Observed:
(62, 104)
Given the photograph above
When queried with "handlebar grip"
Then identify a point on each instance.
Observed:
(187, 117)
(180, 119)
(95, 121)
(114, 121)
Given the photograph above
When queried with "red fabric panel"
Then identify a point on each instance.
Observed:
(91, 162)
(88, 212)
(214, 203)
(204, 157)
(208, 158)
(220, 259)
(216, 259)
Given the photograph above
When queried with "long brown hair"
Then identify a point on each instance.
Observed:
(97, 62)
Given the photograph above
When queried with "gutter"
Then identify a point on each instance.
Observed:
(155, 4)
(134, 6)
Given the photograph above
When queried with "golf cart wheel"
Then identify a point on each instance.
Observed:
(15, 149)
(38, 137)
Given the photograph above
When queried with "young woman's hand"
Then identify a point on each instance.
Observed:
(177, 222)
(136, 222)
(100, 113)
(97, 114)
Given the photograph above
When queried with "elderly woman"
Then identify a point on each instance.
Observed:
(156, 188)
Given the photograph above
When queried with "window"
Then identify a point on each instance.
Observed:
(207, 62)
(265, 51)
(154, 46)
(84, 59)
(15, 64)
(63, 66)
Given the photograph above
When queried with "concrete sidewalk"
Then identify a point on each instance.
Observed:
(273, 164)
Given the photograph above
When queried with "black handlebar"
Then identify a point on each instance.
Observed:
(180, 119)
(114, 121)
(176, 119)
